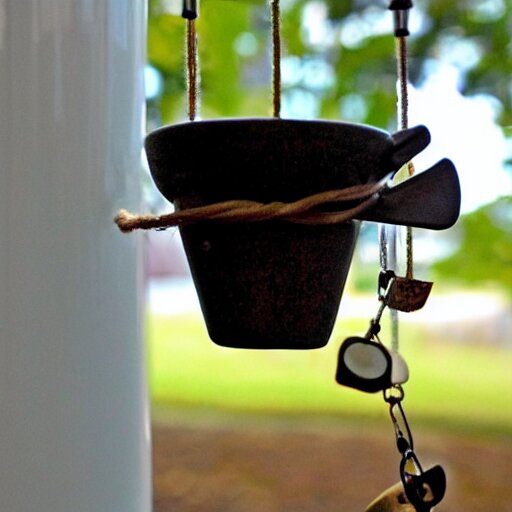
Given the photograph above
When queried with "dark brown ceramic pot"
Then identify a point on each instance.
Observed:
(271, 284)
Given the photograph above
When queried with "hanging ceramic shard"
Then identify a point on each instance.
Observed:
(406, 294)
(278, 284)
(399, 369)
(368, 366)
(364, 365)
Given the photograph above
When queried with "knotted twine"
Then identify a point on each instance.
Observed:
(303, 211)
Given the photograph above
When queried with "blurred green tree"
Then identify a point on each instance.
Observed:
(484, 252)
(338, 55)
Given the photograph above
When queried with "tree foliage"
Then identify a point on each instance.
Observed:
(346, 69)
(484, 253)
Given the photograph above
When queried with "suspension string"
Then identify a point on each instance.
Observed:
(190, 13)
(383, 247)
(393, 264)
(388, 234)
(391, 241)
(276, 57)
(402, 72)
(192, 59)
(395, 334)
(403, 114)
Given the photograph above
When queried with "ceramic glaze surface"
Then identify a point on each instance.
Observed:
(73, 408)
(365, 361)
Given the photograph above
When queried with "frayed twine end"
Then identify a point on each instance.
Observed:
(126, 221)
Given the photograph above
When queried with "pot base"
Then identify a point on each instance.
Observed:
(271, 284)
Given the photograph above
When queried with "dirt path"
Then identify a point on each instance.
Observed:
(249, 466)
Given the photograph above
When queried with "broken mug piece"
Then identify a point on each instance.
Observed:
(393, 499)
(399, 369)
(369, 366)
(275, 283)
(403, 293)
(407, 294)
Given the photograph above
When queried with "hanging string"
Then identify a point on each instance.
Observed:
(190, 13)
(383, 244)
(388, 234)
(276, 57)
(393, 263)
(403, 73)
(192, 59)
(403, 113)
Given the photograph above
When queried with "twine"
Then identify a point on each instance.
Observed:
(302, 211)
(276, 57)
(402, 72)
(403, 79)
(192, 69)
(387, 241)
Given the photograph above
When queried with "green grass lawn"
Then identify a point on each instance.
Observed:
(452, 386)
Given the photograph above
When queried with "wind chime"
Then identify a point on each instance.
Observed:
(269, 211)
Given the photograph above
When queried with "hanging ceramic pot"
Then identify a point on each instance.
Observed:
(276, 284)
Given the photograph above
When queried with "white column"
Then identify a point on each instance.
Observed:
(74, 433)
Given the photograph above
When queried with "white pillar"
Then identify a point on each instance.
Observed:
(74, 433)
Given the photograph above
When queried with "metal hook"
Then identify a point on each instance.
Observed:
(190, 9)
(374, 327)
(424, 489)
(394, 396)
(384, 281)
(400, 10)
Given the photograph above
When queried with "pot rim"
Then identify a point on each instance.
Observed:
(237, 122)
